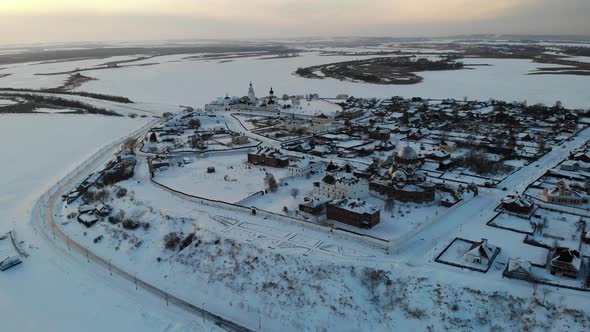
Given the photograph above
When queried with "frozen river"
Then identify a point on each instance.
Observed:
(198, 82)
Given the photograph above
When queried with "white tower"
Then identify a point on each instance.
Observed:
(251, 94)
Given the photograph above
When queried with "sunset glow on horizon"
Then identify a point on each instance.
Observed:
(72, 20)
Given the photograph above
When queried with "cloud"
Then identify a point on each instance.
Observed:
(64, 20)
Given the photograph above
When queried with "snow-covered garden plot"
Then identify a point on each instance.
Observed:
(512, 222)
(401, 220)
(314, 107)
(233, 180)
(211, 122)
(455, 255)
(6, 247)
(457, 175)
(556, 229)
(255, 121)
(544, 276)
(7, 102)
(290, 193)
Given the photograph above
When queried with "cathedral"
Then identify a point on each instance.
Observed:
(404, 181)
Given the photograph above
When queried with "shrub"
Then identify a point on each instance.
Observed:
(188, 240)
(97, 239)
(171, 240)
(271, 182)
(89, 197)
(116, 218)
(194, 124)
(121, 192)
(130, 224)
(102, 195)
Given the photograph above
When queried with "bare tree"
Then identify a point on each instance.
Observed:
(194, 124)
(389, 203)
(271, 182)
(294, 192)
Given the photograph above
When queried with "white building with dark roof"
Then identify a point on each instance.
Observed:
(343, 185)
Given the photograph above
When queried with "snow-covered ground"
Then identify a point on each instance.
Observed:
(198, 82)
(50, 291)
(24, 75)
(244, 267)
(302, 279)
(233, 180)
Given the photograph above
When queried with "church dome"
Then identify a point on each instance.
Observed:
(399, 175)
(407, 153)
(329, 179)
(331, 167)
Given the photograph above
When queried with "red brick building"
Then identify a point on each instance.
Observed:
(354, 212)
(268, 157)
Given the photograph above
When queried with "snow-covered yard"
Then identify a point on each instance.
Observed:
(233, 180)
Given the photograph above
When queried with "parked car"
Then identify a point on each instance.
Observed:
(9, 262)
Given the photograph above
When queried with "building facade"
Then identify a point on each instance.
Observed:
(354, 212)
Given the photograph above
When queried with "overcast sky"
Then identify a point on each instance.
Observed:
(30, 21)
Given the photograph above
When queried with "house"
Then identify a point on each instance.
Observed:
(87, 219)
(304, 167)
(562, 194)
(575, 166)
(160, 163)
(86, 209)
(268, 157)
(445, 164)
(565, 262)
(313, 206)
(480, 253)
(518, 269)
(438, 155)
(103, 210)
(385, 146)
(381, 134)
(581, 156)
(517, 204)
(240, 139)
(354, 212)
(345, 185)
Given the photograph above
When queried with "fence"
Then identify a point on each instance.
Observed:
(43, 212)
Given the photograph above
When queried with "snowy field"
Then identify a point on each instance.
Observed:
(23, 75)
(315, 107)
(49, 291)
(198, 82)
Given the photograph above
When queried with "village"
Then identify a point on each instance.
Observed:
(379, 173)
